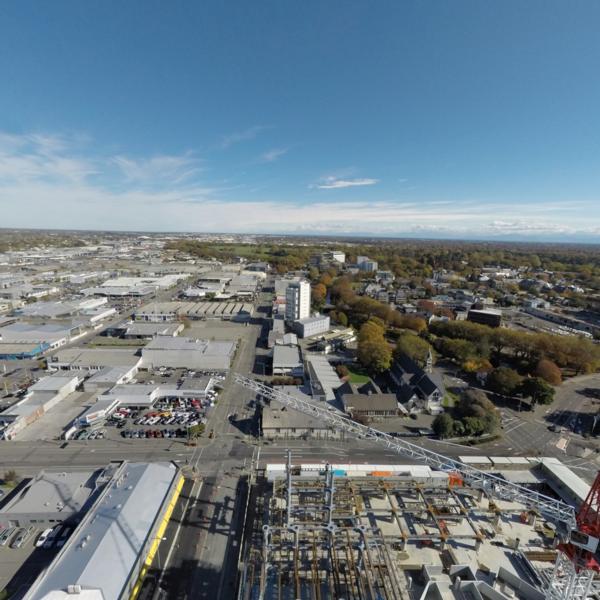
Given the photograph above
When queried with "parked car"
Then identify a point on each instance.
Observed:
(6, 534)
(62, 538)
(41, 540)
(51, 538)
(22, 536)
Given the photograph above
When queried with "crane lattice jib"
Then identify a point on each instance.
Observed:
(550, 508)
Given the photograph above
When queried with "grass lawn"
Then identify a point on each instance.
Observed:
(449, 399)
(358, 377)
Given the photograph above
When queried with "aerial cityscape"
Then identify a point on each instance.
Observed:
(299, 301)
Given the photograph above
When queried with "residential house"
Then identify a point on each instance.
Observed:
(417, 389)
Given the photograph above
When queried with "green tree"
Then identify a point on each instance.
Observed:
(342, 319)
(459, 350)
(443, 426)
(475, 403)
(474, 425)
(414, 347)
(458, 429)
(374, 353)
(538, 390)
(504, 380)
(10, 478)
(195, 431)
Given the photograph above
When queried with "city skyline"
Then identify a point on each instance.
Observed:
(463, 122)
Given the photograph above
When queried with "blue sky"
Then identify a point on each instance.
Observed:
(468, 119)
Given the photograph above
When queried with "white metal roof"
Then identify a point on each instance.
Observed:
(101, 554)
(563, 476)
(52, 492)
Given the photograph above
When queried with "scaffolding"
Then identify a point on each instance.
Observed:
(325, 535)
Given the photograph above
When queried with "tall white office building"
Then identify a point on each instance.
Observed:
(297, 301)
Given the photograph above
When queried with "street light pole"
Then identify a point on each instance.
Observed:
(158, 552)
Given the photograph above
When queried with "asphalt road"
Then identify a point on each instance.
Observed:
(203, 555)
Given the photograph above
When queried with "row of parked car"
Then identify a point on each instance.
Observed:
(89, 434)
(154, 433)
(53, 537)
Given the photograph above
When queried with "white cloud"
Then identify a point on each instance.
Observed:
(48, 182)
(333, 183)
(36, 157)
(241, 136)
(273, 155)
(170, 169)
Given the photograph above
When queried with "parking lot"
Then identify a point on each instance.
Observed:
(21, 561)
(168, 417)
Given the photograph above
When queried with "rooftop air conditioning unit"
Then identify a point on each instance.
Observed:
(74, 589)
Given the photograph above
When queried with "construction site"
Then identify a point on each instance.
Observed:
(391, 532)
(440, 530)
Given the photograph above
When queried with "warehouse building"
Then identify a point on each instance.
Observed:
(133, 395)
(322, 377)
(97, 412)
(181, 352)
(141, 396)
(277, 331)
(52, 334)
(137, 330)
(50, 498)
(61, 309)
(108, 377)
(95, 359)
(40, 398)
(160, 312)
(109, 553)
(22, 351)
(287, 360)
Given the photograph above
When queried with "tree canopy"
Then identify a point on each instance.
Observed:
(374, 353)
(414, 347)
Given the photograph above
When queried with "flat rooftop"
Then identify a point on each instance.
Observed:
(52, 492)
(101, 554)
(96, 357)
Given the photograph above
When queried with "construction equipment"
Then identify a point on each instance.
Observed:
(575, 566)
